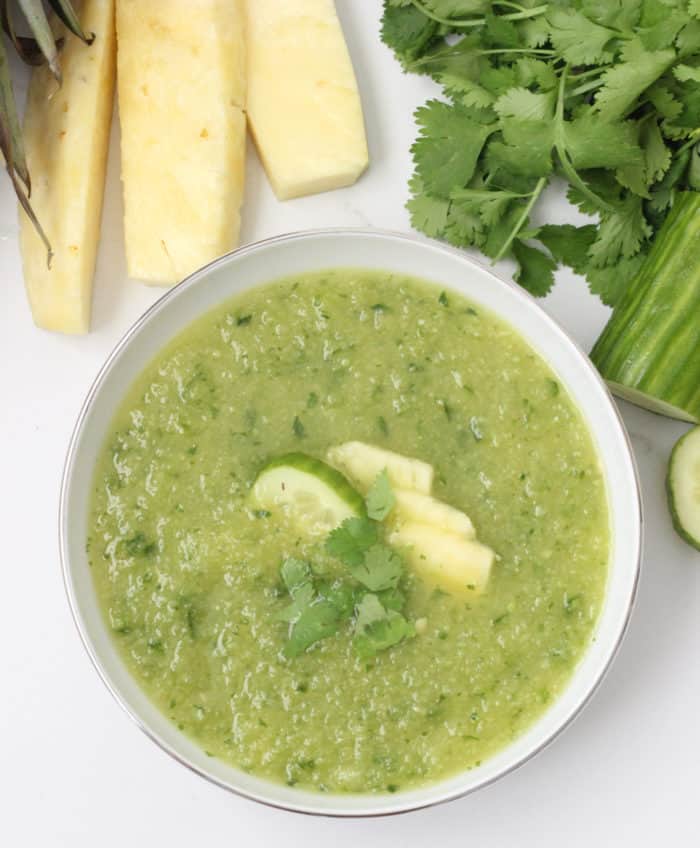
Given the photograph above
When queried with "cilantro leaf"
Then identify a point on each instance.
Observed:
(620, 233)
(686, 73)
(569, 245)
(525, 105)
(526, 148)
(295, 573)
(625, 81)
(611, 282)
(579, 40)
(688, 39)
(536, 271)
(662, 33)
(352, 540)
(464, 226)
(428, 214)
(317, 621)
(301, 599)
(406, 30)
(380, 499)
(377, 628)
(448, 146)
(657, 156)
(381, 568)
(593, 144)
(393, 599)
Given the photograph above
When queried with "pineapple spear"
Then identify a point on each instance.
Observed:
(40, 47)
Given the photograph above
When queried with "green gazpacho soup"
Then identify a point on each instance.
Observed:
(190, 572)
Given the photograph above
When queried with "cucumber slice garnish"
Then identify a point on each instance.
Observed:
(318, 497)
(683, 486)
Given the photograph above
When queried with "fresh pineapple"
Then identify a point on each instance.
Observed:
(362, 462)
(181, 79)
(304, 107)
(413, 506)
(66, 137)
(453, 563)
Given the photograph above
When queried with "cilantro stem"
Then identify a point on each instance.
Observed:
(562, 153)
(523, 14)
(587, 86)
(537, 191)
(457, 50)
(590, 72)
(694, 138)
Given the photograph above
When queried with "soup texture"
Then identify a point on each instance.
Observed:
(187, 571)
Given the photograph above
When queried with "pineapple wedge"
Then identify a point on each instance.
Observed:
(66, 135)
(304, 108)
(181, 80)
(457, 565)
(414, 506)
(362, 462)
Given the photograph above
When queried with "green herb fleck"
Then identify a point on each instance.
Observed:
(298, 428)
(140, 545)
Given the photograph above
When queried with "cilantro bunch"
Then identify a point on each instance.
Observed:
(602, 93)
(370, 598)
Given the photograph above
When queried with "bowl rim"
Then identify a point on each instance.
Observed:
(70, 459)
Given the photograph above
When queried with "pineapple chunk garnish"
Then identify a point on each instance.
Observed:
(304, 107)
(455, 564)
(425, 509)
(181, 80)
(362, 462)
(66, 136)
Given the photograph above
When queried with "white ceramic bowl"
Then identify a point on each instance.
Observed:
(304, 252)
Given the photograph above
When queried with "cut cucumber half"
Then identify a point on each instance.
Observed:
(317, 496)
(683, 486)
(649, 351)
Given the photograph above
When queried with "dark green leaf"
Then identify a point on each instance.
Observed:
(569, 245)
(536, 272)
(611, 282)
(447, 149)
(406, 30)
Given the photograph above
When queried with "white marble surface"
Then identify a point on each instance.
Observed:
(75, 772)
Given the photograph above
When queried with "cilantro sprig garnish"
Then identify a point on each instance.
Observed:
(370, 598)
(603, 95)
